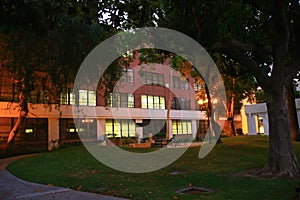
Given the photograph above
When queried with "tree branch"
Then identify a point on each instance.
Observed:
(235, 50)
(282, 31)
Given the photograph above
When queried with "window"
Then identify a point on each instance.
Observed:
(181, 127)
(67, 97)
(150, 78)
(86, 97)
(127, 75)
(28, 131)
(203, 126)
(37, 96)
(198, 87)
(8, 90)
(83, 97)
(119, 128)
(153, 126)
(121, 100)
(153, 102)
(181, 104)
(178, 83)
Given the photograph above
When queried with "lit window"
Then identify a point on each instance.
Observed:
(162, 102)
(144, 101)
(87, 98)
(150, 102)
(181, 127)
(83, 97)
(130, 101)
(67, 98)
(29, 130)
(91, 98)
(153, 102)
(120, 128)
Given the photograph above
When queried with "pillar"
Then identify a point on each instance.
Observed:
(251, 124)
(101, 129)
(53, 133)
(194, 128)
(266, 124)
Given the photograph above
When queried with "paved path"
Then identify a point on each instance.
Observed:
(12, 187)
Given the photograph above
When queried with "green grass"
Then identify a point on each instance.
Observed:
(220, 171)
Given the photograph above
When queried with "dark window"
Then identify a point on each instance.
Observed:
(150, 78)
(181, 104)
(127, 75)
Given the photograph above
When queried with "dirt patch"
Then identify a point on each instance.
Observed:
(194, 190)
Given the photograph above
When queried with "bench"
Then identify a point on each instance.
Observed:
(159, 143)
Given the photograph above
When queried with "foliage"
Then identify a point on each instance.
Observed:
(46, 36)
(261, 36)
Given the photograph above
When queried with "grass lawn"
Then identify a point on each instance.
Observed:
(222, 171)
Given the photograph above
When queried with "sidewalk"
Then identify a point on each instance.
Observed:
(12, 187)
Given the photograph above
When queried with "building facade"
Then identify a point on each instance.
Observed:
(146, 101)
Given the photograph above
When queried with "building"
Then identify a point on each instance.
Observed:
(136, 109)
(255, 118)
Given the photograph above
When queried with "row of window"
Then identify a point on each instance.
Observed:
(88, 97)
(126, 127)
(85, 97)
(151, 78)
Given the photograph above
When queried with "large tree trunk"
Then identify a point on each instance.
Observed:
(228, 127)
(282, 159)
(293, 113)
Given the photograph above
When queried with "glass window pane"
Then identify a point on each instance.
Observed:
(83, 97)
(130, 100)
(174, 127)
(189, 127)
(144, 101)
(184, 127)
(123, 100)
(161, 80)
(130, 76)
(124, 130)
(92, 98)
(117, 128)
(109, 128)
(162, 103)
(155, 79)
(150, 102)
(132, 131)
(156, 102)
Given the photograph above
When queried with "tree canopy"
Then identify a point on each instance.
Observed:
(262, 36)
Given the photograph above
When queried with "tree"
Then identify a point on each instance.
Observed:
(49, 37)
(239, 85)
(262, 36)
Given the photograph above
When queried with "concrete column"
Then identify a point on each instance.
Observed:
(53, 133)
(251, 124)
(194, 128)
(101, 129)
(266, 124)
(170, 128)
(139, 131)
